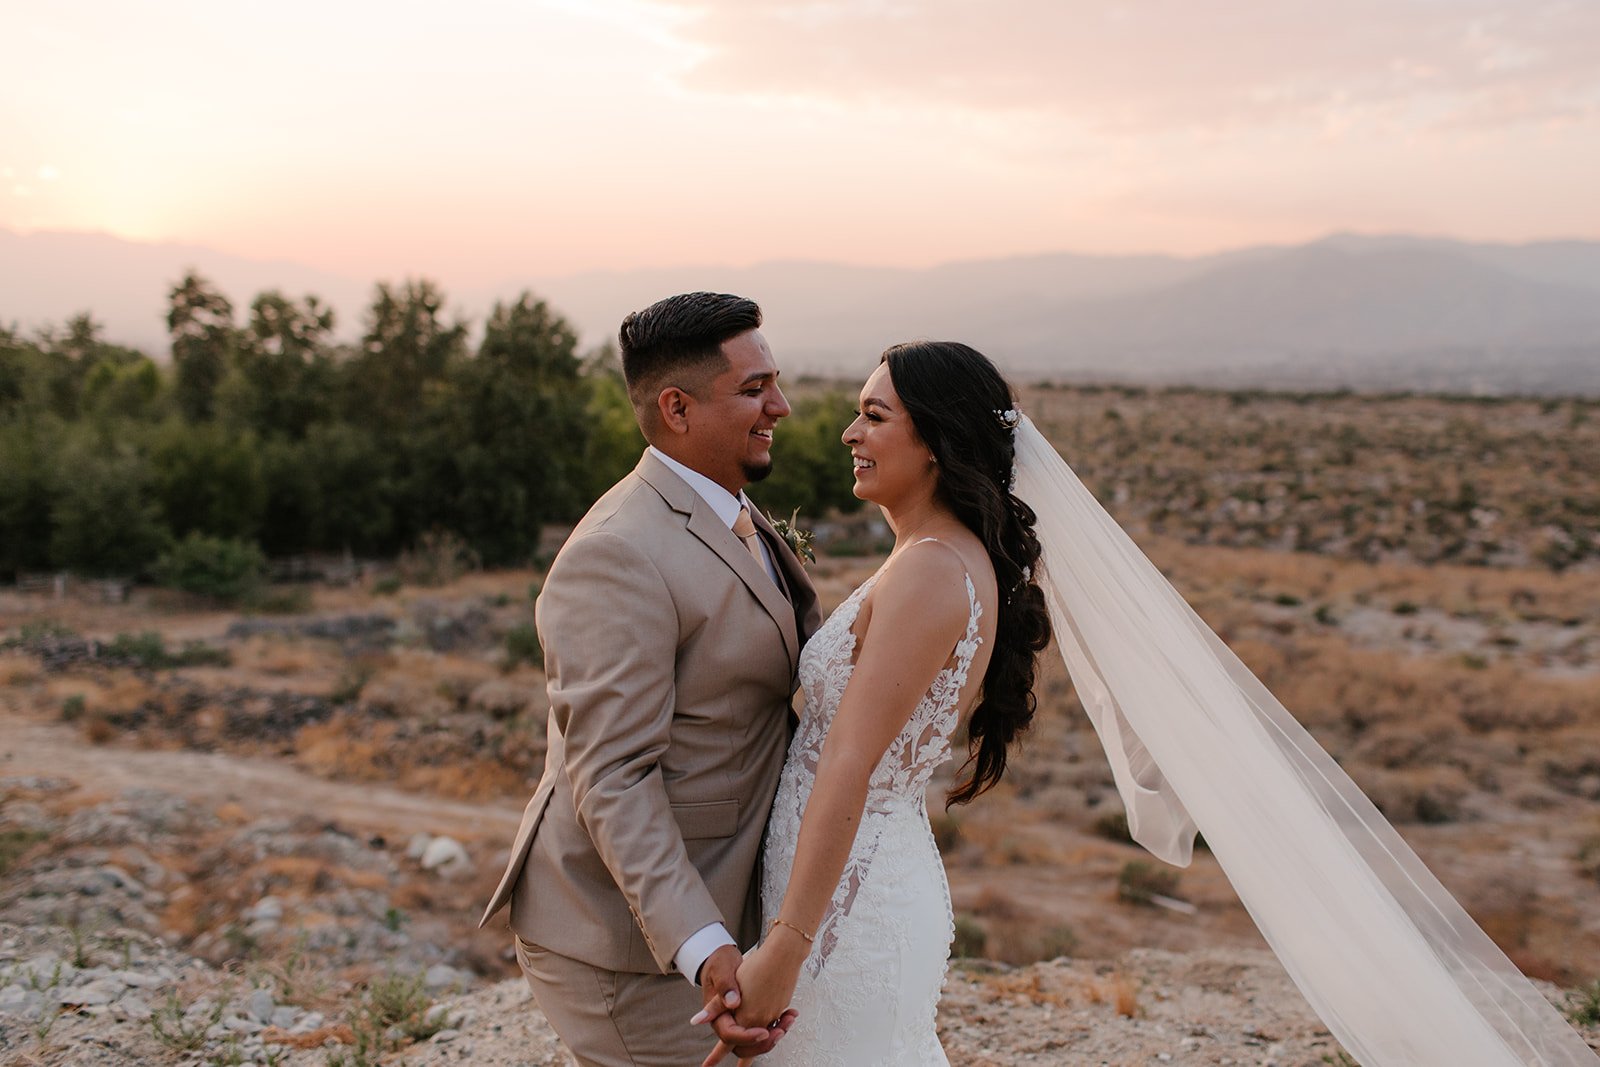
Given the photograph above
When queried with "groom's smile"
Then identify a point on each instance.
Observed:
(731, 426)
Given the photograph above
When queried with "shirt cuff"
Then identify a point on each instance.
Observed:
(695, 951)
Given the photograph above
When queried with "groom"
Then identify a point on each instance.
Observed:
(672, 622)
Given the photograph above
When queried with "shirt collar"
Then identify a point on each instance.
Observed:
(723, 503)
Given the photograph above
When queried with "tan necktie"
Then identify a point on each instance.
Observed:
(745, 528)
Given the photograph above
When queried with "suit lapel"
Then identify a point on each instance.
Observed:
(703, 522)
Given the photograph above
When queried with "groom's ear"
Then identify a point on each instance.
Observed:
(673, 404)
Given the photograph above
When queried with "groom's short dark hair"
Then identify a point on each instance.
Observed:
(678, 341)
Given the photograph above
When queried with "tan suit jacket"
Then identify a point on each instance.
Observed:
(671, 659)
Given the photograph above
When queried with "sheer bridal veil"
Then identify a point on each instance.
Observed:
(1393, 965)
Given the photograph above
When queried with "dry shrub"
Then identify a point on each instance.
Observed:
(1588, 858)
(503, 698)
(1012, 934)
(1033, 985)
(1570, 761)
(281, 875)
(457, 686)
(1113, 826)
(1513, 592)
(289, 875)
(438, 558)
(422, 895)
(1540, 968)
(280, 656)
(208, 727)
(995, 903)
(190, 912)
(114, 694)
(1393, 745)
(400, 696)
(456, 764)
(1506, 906)
(1417, 794)
(338, 1032)
(1138, 882)
(99, 730)
(1124, 995)
(1340, 692)
(232, 813)
(18, 669)
(346, 747)
(478, 780)
(1016, 850)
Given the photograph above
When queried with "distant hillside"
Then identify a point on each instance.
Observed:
(1387, 311)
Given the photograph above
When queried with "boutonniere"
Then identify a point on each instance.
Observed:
(798, 540)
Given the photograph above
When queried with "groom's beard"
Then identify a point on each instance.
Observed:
(754, 472)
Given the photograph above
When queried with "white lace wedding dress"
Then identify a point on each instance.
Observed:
(869, 990)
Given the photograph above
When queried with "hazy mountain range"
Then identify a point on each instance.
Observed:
(1365, 311)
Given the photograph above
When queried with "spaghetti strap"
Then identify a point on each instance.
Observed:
(966, 573)
(944, 544)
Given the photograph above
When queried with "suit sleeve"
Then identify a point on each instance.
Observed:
(610, 633)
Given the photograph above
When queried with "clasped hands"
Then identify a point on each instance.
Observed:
(747, 999)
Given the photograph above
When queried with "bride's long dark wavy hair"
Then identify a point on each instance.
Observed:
(955, 395)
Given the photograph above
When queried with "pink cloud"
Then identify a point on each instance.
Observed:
(1143, 64)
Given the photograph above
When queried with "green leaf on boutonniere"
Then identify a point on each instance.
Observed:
(798, 540)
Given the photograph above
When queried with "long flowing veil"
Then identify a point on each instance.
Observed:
(1392, 964)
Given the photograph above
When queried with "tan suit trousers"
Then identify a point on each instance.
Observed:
(617, 1019)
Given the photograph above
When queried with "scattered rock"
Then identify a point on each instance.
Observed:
(440, 977)
(261, 1006)
(268, 911)
(99, 991)
(447, 856)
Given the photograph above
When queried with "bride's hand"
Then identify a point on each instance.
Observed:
(747, 1053)
(766, 981)
(767, 978)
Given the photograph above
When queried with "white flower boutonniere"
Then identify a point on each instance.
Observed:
(798, 540)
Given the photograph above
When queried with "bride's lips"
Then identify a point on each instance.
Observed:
(860, 463)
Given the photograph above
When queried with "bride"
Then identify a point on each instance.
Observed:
(997, 543)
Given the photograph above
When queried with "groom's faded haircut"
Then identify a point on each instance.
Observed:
(678, 342)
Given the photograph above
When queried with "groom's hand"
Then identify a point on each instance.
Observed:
(747, 1053)
(719, 987)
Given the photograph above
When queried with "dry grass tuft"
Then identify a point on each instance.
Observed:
(1034, 987)
(282, 656)
(475, 780)
(18, 669)
(232, 813)
(1124, 996)
(338, 1032)
(995, 903)
(420, 759)
(343, 747)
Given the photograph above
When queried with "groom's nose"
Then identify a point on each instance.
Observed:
(777, 404)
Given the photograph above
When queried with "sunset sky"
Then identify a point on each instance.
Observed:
(485, 139)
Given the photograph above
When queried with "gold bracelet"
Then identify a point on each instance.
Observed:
(810, 939)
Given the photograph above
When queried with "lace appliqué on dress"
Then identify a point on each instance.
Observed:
(884, 941)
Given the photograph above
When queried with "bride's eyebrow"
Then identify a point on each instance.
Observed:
(873, 401)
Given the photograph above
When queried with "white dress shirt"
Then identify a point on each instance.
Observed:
(694, 952)
(723, 503)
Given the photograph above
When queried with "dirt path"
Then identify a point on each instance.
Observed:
(261, 785)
